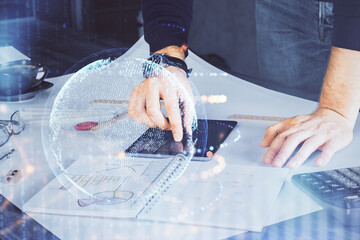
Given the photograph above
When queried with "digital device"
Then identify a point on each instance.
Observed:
(207, 138)
(15, 224)
(336, 190)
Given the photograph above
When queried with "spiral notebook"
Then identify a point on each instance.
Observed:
(95, 186)
(171, 190)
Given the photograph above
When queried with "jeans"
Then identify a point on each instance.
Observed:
(293, 44)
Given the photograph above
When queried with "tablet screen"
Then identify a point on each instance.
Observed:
(208, 137)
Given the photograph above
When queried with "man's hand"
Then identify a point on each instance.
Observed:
(330, 128)
(324, 130)
(174, 88)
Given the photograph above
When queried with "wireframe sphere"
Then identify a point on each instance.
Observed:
(93, 146)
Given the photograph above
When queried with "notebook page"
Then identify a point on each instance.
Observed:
(238, 197)
(114, 188)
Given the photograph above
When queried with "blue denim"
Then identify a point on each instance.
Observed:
(294, 44)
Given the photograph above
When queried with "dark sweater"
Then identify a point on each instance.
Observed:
(167, 22)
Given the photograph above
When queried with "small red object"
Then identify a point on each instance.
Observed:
(84, 126)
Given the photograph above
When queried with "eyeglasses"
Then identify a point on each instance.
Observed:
(14, 126)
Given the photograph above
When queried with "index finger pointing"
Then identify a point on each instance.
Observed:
(173, 112)
(188, 113)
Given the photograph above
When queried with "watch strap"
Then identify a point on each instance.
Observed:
(164, 60)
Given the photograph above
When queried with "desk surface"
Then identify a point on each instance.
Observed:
(242, 97)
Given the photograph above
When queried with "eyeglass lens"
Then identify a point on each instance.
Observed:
(4, 134)
(17, 122)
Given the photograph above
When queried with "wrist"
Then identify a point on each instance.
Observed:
(324, 111)
(341, 87)
(163, 60)
(173, 51)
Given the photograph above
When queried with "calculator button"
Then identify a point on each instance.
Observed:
(334, 185)
(334, 174)
(303, 176)
(342, 180)
(321, 187)
(331, 173)
(354, 177)
(327, 193)
(344, 171)
(355, 188)
(350, 174)
(317, 183)
(352, 198)
(340, 191)
(319, 175)
(349, 184)
(309, 180)
(356, 169)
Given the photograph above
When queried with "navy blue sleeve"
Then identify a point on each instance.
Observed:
(346, 33)
(166, 22)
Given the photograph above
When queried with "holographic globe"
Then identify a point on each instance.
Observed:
(100, 154)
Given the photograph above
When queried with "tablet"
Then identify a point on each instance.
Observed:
(207, 138)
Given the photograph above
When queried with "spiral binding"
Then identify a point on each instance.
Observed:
(163, 181)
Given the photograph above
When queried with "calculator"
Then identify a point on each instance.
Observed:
(336, 190)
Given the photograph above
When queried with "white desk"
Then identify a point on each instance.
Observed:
(242, 97)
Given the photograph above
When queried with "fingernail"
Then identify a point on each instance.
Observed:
(292, 165)
(267, 160)
(190, 131)
(320, 161)
(177, 137)
(269, 157)
(297, 164)
(278, 163)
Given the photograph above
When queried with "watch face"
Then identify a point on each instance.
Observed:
(156, 58)
(152, 64)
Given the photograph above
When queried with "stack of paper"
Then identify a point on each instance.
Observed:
(231, 196)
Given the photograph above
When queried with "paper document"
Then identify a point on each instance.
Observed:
(236, 197)
(112, 189)
(239, 197)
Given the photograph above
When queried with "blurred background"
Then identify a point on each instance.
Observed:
(59, 33)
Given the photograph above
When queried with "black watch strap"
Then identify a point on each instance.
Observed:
(164, 60)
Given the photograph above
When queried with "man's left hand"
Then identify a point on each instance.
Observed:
(324, 130)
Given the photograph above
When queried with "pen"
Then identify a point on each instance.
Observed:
(110, 121)
(116, 102)
(7, 155)
(111, 102)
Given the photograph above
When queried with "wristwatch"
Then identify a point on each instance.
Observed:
(163, 60)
